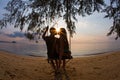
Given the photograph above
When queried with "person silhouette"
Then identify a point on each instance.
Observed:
(64, 51)
(51, 41)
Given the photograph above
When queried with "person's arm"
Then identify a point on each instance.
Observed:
(43, 36)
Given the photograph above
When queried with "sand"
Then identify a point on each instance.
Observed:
(99, 67)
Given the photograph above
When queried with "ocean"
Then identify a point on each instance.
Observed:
(39, 49)
(86, 49)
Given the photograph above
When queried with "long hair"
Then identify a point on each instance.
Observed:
(63, 35)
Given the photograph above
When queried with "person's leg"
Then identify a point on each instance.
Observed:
(60, 59)
(64, 64)
(57, 65)
(53, 64)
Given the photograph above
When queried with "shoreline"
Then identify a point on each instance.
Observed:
(74, 56)
(96, 54)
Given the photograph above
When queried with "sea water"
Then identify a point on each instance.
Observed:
(84, 49)
(39, 49)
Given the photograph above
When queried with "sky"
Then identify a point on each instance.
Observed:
(93, 28)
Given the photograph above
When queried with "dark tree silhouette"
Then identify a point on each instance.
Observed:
(36, 14)
(113, 11)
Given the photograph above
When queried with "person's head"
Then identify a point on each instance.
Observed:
(53, 31)
(63, 31)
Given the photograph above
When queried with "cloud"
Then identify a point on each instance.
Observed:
(16, 34)
(13, 35)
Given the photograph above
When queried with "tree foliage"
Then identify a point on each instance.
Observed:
(37, 14)
(113, 11)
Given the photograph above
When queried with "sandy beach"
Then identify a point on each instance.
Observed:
(99, 67)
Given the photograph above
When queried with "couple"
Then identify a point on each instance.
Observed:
(57, 48)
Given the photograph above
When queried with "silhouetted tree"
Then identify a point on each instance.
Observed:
(36, 14)
(113, 11)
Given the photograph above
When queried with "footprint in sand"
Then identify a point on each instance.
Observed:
(10, 74)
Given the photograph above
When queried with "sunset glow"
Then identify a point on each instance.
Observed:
(57, 30)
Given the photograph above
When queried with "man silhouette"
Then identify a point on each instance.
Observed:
(51, 41)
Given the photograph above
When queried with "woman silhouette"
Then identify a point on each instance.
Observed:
(64, 52)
